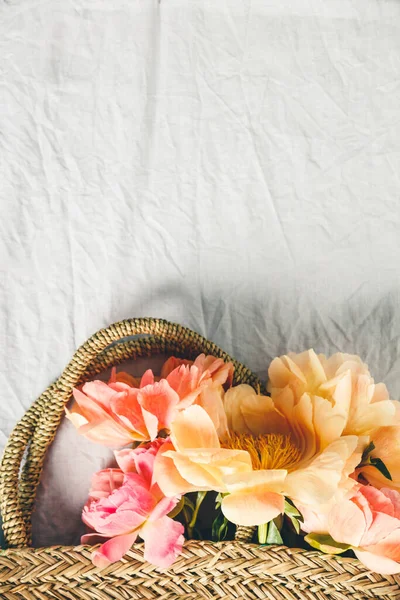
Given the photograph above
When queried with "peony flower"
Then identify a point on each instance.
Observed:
(268, 455)
(193, 460)
(127, 410)
(126, 503)
(116, 414)
(342, 380)
(387, 447)
(207, 367)
(369, 522)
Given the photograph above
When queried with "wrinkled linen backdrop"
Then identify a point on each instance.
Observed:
(230, 165)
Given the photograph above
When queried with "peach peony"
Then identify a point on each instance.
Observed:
(127, 503)
(342, 380)
(266, 456)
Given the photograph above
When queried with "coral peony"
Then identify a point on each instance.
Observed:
(126, 503)
(116, 414)
(127, 410)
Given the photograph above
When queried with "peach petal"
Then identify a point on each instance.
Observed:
(234, 399)
(210, 399)
(255, 507)
(167, 476)
(193, 428)
(272, 480)
(317, 482)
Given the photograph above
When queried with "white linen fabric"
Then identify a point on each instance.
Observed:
(232, 165)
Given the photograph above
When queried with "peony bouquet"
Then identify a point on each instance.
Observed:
(315, 463)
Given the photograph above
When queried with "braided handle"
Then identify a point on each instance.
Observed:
(37, 428)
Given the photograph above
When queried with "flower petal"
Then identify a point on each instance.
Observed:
(317, 482)
(163, 541)
(210, 399)
(167, 476)
(346, 523)
(253, 507)
(377, 564)
(193, 428)
(113, 550)
(159, 400)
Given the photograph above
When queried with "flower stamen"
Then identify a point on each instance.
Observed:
(270, 451)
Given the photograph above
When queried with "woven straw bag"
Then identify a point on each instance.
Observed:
(205, 570)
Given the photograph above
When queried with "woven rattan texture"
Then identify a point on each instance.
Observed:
(205, 570)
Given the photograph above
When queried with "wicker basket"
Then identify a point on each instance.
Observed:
(223, 571)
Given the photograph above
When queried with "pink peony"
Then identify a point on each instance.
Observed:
(126, 503)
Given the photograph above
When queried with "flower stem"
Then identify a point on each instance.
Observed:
(199, 500)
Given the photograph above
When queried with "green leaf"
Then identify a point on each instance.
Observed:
(175, 511)
(269, 533)
(292, 511)
(219, 529)
(325, 543)
(262, 533)
(273, 536)
(382, 468)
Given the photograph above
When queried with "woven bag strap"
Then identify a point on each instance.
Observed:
(36, 430)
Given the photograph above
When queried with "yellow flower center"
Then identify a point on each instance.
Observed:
(271, 451)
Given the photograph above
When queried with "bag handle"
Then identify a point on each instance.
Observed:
(36, 430)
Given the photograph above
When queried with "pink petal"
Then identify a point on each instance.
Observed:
(163, 541)
(105, 482)
(394, 497)
(377, 564)
(346, 523)
(116, 523)
(379, 502)
(164, 506)
(113, 550)
(388, 546)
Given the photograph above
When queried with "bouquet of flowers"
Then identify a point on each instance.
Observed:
(314, 462)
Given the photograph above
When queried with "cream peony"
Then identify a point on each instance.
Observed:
(342, 380)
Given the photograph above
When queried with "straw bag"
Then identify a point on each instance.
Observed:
(205, 570)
